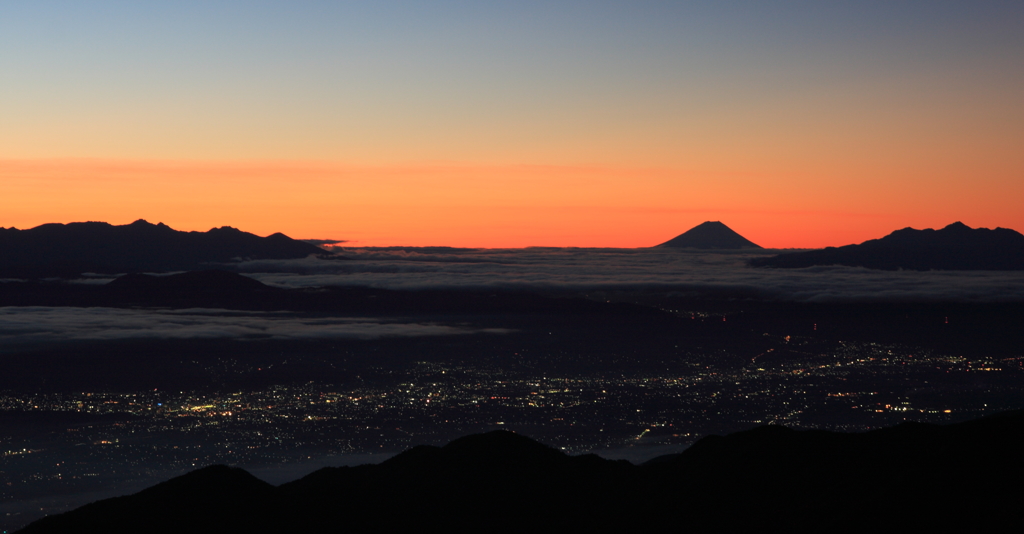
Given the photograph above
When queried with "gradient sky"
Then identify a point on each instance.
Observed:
(507, 124)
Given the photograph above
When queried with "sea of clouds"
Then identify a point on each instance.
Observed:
(33, 325)
(558, 270)
(647, 270)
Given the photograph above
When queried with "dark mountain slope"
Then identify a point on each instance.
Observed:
(67, 250)
(914, 477)
(709, 235)
(213, 499)
(497, 481)
(955, 247)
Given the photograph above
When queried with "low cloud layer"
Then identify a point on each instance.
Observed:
(684, 272)
(32, 325)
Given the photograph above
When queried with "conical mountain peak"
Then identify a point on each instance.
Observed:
(709, 235)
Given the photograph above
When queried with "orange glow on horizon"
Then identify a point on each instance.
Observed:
(489, 205)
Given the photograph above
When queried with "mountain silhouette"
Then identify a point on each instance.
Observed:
(709, 235)
(202, 282)
(955, 247)
(912, 477)
(67, 250)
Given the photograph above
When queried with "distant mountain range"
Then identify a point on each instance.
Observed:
(709, 235)
(228, 290)
(67, 250)
(910, 478)
(955, 247)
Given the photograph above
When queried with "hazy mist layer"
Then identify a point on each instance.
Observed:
(583, 270)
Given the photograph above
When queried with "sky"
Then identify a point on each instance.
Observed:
(513, 124)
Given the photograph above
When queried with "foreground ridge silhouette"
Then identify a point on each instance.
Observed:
(709, 235)
(67, 250)
(912, 477)
(955, 247)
